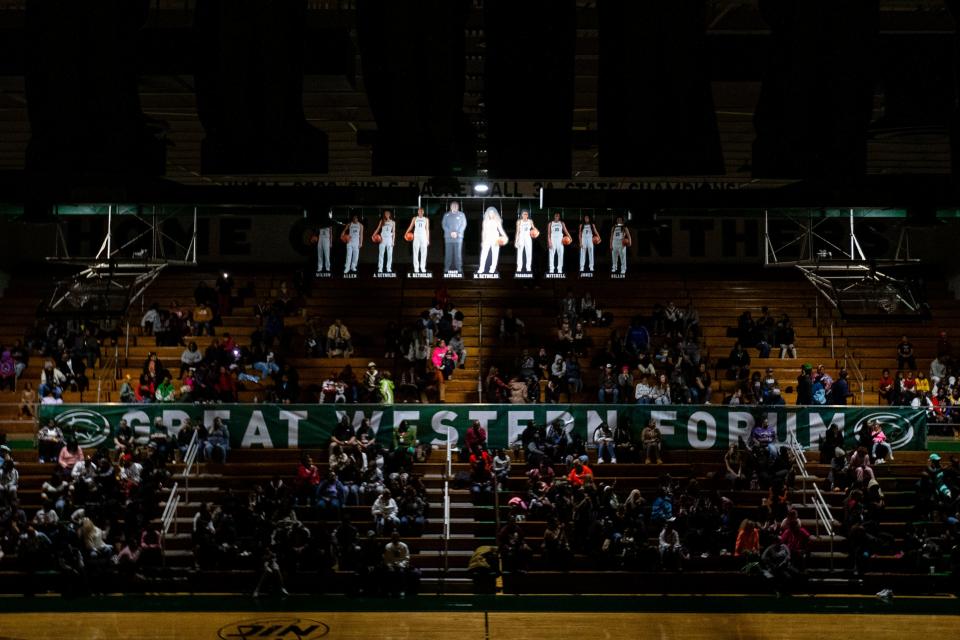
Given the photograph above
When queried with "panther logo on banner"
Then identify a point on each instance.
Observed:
(90, 428)
(898, 429)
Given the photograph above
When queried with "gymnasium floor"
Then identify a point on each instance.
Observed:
(476, 619)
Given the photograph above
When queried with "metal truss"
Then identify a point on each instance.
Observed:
(110, 281)
(849, 280)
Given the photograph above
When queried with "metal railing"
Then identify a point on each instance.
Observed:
(447, 474)
(850, 364)
(109, 369)
(189, 458)
(824, 519)
(170, 510)
(168, 518)
(480, 348)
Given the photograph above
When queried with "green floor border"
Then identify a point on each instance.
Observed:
(837, 604)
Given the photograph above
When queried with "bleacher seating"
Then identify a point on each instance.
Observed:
(366, 308)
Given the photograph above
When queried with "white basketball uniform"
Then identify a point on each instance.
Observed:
(524, 244)
(324, 238)
(586, 246)
(492, 231)
(420, 240)
(353, 247)
(618, 252)
(556, 245)
(386, 246)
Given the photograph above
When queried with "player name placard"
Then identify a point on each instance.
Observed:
(424, 275)
(555, 276)
(452, 275)
(618, 276)
(523, 275)
(586, 274)
(385, 274)
(486, 276)
(350, 276)
(322, 274)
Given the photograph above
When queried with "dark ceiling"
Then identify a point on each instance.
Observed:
(335, 100)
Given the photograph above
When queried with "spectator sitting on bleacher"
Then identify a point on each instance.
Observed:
(921, 384)
(660, 392)
(588, 309)
(203, 319)
(938, 370)
(764, 435)
(858, 466)
(564, 336)
(49, 442)
(495, 388)
(738, 363)
(20, 357)
(371, 384)
(885, 388)
(75, 371)
(331, 495)
(385, 513)
(603, 437)
(672, 553)
(69, 456)
(572, 380)
(637, 340)
(880, 449)
(643, 393)
(517, 392)
(51, 380)
(185, 435)
(218, 442)
(339, 341)
(28, 401)
(150, 320)
(786, 337)
(127, 392)
(625, 383)
(608, 389)
(9, 482)
(456, 345)
(226, 386)
(652, 442)
(347, 384)
(8, 371)
(805, 385)
(699, 385)
(190, 357)
(905, 356)
(166, 392)
(401, 576)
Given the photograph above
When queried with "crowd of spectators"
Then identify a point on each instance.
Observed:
(655, 359)
(936, 390)
(696, 522)
(419, 357)
(308, 527)
(96, 527)
(621, 529)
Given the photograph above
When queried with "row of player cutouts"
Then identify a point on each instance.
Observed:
(492, 238)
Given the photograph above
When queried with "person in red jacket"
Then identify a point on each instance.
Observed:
(226, 386)
(308, 480)
(578, 473)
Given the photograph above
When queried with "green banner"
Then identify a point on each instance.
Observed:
(309, 426)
